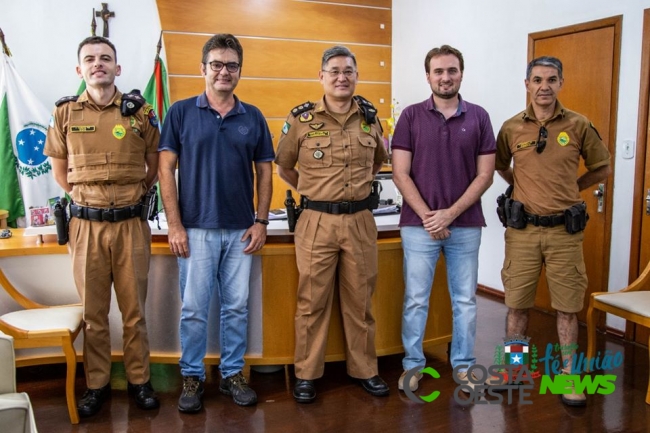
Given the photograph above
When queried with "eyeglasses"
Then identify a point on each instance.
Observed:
(541, 140)
(334, 73)
(231, 67)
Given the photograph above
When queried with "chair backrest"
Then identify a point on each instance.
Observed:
(7, 365)
(21, 299)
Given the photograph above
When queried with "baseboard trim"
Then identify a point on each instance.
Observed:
(499, 294)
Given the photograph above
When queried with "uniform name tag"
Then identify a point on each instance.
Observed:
(526, 144)
(318, 134)
(82, 129)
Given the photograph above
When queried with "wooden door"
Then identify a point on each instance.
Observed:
(640, 242)
(590, 55)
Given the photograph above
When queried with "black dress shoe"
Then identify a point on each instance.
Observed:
(375, 386)
(304, 391)
(92, 400)
(144, 395)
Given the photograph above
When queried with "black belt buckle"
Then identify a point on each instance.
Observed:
(545, 221)
(108, 215)
(344, 207)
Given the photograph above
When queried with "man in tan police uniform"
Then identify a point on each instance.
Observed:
(338, 144)
(546, 143)
(103, 146)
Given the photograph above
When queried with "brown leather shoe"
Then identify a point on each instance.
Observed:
(414, 382)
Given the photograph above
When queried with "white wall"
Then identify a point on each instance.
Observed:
(43, 36)
(493, 36)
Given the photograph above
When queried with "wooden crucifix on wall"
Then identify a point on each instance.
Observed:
(105, 14)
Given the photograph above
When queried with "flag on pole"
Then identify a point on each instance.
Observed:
(156, 91)
(156, 94)
(23, 125)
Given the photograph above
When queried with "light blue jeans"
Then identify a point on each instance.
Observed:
(216, 261)
(421, 255)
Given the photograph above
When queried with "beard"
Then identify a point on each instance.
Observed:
(449, 94)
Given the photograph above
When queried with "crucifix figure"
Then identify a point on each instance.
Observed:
(105, 14)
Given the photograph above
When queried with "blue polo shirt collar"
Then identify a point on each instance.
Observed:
(202, 102)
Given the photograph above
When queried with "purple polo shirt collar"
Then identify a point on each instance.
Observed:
(462, 107)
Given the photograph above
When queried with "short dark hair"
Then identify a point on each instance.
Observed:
(549, 61)
(337, 51)
(443, 51)
(92, 40)
(223, 41)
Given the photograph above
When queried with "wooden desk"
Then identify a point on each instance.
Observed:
(273, 295)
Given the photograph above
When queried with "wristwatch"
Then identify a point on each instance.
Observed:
(261, 221)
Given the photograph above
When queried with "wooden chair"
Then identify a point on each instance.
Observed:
(632, 303)
(38, 325)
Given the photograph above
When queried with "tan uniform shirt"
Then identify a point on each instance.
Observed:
(105, 150)
(547, 182)
(335, 160)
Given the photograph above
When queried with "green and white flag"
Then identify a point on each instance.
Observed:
(23, 125)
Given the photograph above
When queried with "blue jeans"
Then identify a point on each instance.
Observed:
(421, 255)
(216, 261)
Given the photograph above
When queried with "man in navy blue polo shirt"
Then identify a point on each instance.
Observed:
(215, 139)
(443, 161)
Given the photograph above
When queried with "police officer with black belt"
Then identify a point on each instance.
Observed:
(103, 146)
(338, 145)
(543, 212)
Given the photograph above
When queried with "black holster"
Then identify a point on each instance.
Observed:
(61, 221)
(293, 212)
(150, 204)
(515, 214)
(575, 218)
(375, 192)
(501, 205)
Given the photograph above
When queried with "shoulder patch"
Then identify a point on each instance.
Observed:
(66, 99)
(305, 106)
(596, 131)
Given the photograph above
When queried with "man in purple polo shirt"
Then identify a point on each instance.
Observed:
(443, 161)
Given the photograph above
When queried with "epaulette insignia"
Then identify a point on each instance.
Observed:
(131, 102)
(66, 99)
(369, 110)
(306, 106)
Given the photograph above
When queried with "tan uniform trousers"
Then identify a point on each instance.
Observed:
(527, 250)
(326, 243)
(104, 253)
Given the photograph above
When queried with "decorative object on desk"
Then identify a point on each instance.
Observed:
(40, 216)
(391, 122)
(5, 234)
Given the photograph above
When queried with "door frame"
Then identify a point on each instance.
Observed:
(640, 162)
(617, 23)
